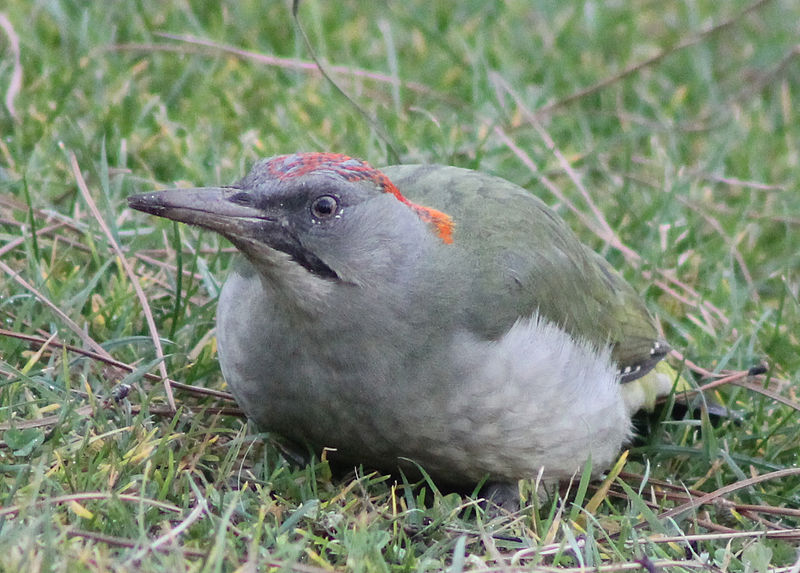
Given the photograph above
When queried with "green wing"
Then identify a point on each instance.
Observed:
(521, 258)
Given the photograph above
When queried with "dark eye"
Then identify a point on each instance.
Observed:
(325, 207)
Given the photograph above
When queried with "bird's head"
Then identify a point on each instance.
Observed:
(335, 217)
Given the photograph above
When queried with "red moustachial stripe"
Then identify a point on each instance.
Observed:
(289, 166)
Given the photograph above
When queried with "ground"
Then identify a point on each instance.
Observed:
(667, 134)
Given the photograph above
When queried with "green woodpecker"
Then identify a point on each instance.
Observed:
(427, 313)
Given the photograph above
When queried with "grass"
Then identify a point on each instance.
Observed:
(667, 134)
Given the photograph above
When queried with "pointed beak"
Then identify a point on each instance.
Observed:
(207, 207)
(263, 237)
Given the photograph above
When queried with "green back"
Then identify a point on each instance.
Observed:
(521, 258)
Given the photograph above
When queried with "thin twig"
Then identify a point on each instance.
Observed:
(116, 541)
(373, 122)
(82, 411)
(767, 77)
(606, 232)
(768, 393)
(284, 63)
(118, 364)
(87, 410)
(172, 535)
(13, 244)
(15, 85)
(552, 187)
(681, 493)
(709, 497)
(639, 66)
(717, 226)
(151, 323)
(87, 340)
(673, 280)
(89, 496)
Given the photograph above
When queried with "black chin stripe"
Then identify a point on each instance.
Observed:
(305, 258)
(313, 265)
(288, 244)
